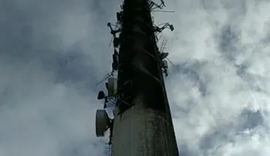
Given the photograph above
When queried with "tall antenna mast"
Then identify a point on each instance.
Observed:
(142, 123)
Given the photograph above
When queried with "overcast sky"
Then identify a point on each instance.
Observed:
(53, 52)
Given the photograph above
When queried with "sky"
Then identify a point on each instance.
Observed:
(53, 52)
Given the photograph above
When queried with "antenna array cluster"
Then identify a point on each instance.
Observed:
(105, 116)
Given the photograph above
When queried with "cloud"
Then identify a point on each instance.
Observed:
(53, 53)
(218, 87)
(50, 55)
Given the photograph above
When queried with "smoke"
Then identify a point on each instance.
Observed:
(53, 52)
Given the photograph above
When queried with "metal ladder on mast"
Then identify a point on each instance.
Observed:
(108, 151)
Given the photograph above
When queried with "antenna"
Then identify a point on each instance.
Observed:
(138, 93)
(162, 49)
(153, 5)
(163, 45)
(165, 11)
(104, 78)
(170, 61)
(111, 42)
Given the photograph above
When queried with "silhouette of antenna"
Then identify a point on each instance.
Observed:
(162, 49)
(104, 78)
(164, 11)
(111, 42)
(170, 61)
(163, 44)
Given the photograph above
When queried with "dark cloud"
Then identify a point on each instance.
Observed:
(192, 70)
(52, 54)
(228, 42)
(250, 119)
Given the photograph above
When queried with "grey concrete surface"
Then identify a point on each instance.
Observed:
(143, 132)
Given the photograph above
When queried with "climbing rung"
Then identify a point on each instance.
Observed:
(108, 150)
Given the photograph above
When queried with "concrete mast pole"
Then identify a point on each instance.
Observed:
(143, 123)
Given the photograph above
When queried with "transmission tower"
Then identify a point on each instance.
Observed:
(139, 120)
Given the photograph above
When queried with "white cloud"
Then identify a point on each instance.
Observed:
(234, 71)
(219, 88)
(40, 117)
